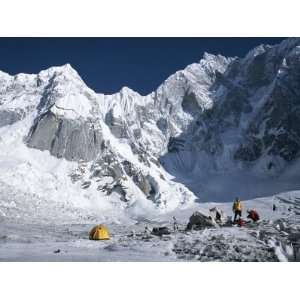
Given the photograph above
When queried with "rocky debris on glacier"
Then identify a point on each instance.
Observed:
(199, 221)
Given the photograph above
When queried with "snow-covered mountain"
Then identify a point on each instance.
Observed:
(219, 128)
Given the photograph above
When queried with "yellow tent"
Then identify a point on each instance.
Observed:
(99, 232)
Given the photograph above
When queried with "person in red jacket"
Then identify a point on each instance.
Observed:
(253, 215)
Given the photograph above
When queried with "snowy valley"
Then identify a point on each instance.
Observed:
(71, 158)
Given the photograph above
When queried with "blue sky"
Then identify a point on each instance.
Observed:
(108, 64)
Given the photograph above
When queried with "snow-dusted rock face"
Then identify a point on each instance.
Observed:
(71, 139)
(108, 137)
(275, 130)
(66, 120)
(216, 117)
(251, 125)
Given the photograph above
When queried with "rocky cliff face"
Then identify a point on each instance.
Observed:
(215, 116)
(274, 131)
(253, 113)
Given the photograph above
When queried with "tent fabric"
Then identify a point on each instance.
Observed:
(99, 232)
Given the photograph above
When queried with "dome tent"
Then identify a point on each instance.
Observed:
(99, 232)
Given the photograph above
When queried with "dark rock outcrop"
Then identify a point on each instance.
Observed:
(200, 221)
(72, 139)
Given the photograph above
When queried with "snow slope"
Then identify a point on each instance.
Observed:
(67, 238)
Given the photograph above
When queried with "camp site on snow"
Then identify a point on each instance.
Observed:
(219, 226)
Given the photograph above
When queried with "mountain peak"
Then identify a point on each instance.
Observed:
(4, 75)
(215, 62)
(209, 56)
(125, 90)
(65, 70)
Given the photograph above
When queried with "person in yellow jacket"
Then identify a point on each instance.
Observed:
(237, 208)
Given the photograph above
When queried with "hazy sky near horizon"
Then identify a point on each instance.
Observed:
(108, 64)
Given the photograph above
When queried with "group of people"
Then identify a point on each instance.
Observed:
(218, 214)
(237, 210)
(220, 217)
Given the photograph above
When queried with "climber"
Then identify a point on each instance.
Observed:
(237, 208)
(253, 215)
